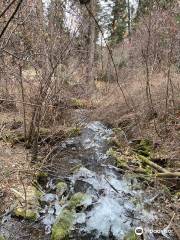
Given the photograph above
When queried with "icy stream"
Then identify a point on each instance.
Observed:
(117, 204)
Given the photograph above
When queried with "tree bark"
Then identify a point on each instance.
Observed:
(91, 47)
(168, 175)
(129, 18)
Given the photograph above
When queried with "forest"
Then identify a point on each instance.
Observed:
(89, 119)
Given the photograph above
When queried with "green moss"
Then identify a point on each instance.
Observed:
(43, 132)
(117, 130)
(136, 201)
(144, 148)
(177, 194)
(42, 174)
(26, 214)
(61, 188)
(111, 152)
(38, 194)
(120, 160)
(2, 237)
(63, 225)
(78, 103)
(148, 170)
(17, 136)
(115, 142)
(13, 137)
(73, 132)
(131, 236)
(27, 204)
(78, 199)
(32, 195)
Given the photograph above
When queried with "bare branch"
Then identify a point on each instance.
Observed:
(11, 17)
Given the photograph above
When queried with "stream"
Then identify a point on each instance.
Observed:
(115, 204)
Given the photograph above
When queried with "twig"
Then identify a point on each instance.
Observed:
(6, 9)
(11, 17)
(111, 185)
(49, 154)
(168, 226)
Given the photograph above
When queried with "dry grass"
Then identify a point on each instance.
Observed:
(163, 128)
(14, 166)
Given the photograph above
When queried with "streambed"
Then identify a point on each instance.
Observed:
(112, 205)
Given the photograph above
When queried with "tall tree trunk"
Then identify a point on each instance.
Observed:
(129, 18)
(91, 47)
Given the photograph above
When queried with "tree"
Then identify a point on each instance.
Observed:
(122, 16)
(91, 46)
(144, 6)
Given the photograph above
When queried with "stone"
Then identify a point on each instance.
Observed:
(61, 188)
(27, 203)
(26, 214)
(63, 225)
(79, 199)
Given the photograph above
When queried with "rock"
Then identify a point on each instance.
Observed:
(80, 218)
(61, 188)
(82, 186)
(48, 198)
(2, 237)
(63, 225)
(26, 214)
(27, 203)
(79, 199)
(131, 236)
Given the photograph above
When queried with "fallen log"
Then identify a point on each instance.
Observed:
(152, 164)
(168, 174)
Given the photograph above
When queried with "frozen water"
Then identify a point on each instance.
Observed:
(49, 197)
(114, 207)
(114, 210)
(95, 137)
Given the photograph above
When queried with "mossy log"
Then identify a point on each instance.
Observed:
(168, 174)
(152, 164)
